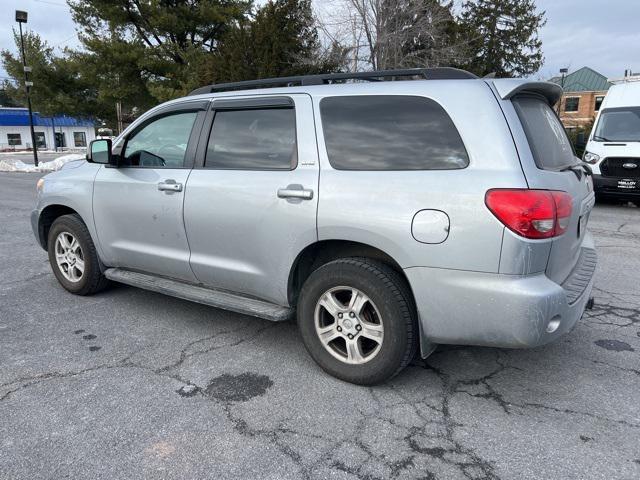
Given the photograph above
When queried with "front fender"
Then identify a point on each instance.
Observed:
(71, 189)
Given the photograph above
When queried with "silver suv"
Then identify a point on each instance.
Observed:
(438, 208)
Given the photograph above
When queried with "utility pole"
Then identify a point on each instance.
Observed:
(21, 17)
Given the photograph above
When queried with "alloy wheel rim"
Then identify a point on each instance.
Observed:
(69, 257)
(349, 325)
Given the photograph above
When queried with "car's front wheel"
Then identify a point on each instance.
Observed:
(357, 320)
(73, 256)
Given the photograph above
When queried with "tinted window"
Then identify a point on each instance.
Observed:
(619, 125)
(161, 143)
(255, 139)
(546, 135)
(385, 132)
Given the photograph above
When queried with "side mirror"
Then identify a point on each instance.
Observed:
(100, 151)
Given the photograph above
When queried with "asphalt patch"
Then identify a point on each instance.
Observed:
(238, 388)
(614, 345)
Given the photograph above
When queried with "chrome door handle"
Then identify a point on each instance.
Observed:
(289, 192)
(170, 186)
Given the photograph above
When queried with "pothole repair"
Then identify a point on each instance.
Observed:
(238, 388)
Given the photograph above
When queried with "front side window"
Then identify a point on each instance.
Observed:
(390, 132)
(253, 139)
(618, 125)
(14, 139)
(161, 143)
(571, 104)
(79, 139)
(547, 137)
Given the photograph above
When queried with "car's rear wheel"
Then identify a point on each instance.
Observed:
(357, 320)
(73, 256)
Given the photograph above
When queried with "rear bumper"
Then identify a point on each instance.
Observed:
(608, 186)
(473, 308)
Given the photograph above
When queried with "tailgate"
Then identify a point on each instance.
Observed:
(552, 165)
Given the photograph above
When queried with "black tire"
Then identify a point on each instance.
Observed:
(91, 280)
(392, 297)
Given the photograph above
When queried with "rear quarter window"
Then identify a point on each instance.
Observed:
(390, 132)
(547, 137)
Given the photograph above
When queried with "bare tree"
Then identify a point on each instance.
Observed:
(383, 34)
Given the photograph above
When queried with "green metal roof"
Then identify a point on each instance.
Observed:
(583, 80)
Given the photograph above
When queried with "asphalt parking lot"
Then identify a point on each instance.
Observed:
(133, 384)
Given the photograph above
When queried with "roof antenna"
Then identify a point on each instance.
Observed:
(490, 75)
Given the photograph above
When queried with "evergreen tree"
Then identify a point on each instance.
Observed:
(6, 100)
(51, 83)
(165, 41)
(503, 37)
(281, 40)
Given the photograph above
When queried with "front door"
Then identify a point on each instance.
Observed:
(138, 205)
(251, 201)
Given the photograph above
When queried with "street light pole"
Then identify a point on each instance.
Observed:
(21, 17)
(563, 72)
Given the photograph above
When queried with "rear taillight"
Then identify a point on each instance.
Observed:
(531, 213)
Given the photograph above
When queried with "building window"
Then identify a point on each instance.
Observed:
(60, 140)
(571, 104)
(14, 139)
(79, 139)
(599, 100)
(40, 140)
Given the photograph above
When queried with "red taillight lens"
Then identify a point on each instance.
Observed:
(531, 213)
(564, 205)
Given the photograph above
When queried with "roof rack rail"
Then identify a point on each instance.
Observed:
(443, 73)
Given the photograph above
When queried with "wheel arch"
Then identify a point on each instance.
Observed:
(319, 253)
(48, 215)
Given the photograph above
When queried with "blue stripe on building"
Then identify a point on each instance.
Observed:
(19, 117)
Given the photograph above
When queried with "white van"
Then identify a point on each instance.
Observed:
(613, 149)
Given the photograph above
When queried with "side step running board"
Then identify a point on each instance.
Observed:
(198, 294)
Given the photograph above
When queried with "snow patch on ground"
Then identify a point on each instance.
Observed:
(12, 165)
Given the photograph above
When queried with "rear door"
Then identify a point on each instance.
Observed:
(251, 201)
(547, 167)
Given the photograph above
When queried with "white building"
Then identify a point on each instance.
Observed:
(70, 132)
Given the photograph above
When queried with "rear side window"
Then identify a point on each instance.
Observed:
(390, 132)
(253, 139)
(546, 136)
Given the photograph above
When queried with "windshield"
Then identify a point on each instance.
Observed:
(618, 125)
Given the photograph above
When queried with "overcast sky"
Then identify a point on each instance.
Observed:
(602, 34)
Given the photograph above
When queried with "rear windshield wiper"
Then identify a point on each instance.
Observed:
(578, 169)
(601, 139)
